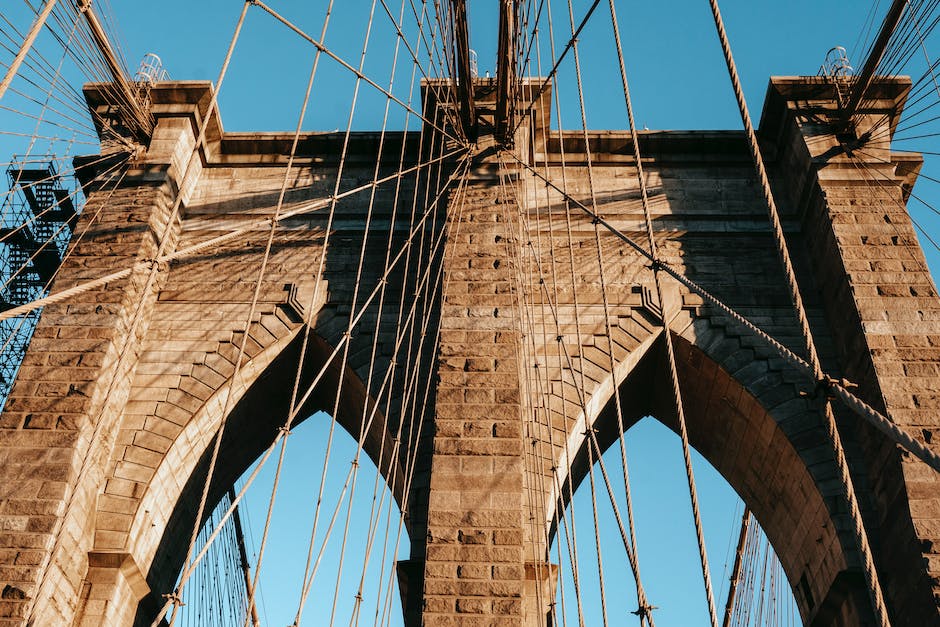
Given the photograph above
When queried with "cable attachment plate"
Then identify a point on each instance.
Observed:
(824, 388)
(644, 611)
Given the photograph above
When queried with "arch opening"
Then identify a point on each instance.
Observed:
(748, 446)
(252, 429)
(666, 543)
(342, 563)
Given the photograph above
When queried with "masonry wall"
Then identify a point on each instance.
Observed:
(474, 563)
(60, 419)
(104, 441)
(883, 311)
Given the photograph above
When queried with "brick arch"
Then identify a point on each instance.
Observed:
(744, 415)
(252, 425)
(146, 511)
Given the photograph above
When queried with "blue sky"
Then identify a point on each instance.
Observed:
(678, 81)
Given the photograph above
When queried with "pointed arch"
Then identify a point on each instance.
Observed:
(159, 533)
(746, 417)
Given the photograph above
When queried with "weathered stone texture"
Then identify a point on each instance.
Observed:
(531, 323)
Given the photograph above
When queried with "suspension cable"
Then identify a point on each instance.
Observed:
(26, 46)
(848, 488)
(358, 73)
(302, 209)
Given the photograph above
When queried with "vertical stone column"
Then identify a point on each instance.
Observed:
(882, 310)
(62, 418)
(475, 564)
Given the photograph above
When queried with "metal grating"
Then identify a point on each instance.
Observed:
(38, 215)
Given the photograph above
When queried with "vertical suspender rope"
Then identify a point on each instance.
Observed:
(376, 513)
(533, 459)
(667, 336)
(570, 526)
(543, 375)
(736, 569)
(558, 508)
(280, 202)
(407, 389)
(589, 432)
(357, 287)
(858, 524)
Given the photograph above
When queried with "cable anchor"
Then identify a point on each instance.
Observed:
(644, 611)
(174, 598)
(824, 388)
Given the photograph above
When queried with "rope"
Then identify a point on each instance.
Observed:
(309, 581)
(521, 313)
(415, 370)
(521, 310)
(319, 46)
(375, 512)
(432, 85)
(189, 251)
(838, 387)
(284, 183)
(643, 610)
(425, 289)
(858, 524)
(542, 390)
(597, 533)
(345, 360)
(559, 512)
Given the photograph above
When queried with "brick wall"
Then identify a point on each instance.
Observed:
(510, 390)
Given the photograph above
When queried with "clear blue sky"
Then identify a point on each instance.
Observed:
(678, 81)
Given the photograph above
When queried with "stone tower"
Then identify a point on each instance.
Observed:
(105, 438)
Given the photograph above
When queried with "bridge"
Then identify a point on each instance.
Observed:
(487, 305)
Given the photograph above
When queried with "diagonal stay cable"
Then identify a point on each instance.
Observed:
(189, 251)
(320, 46)
(829, 421)
(839, 387)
